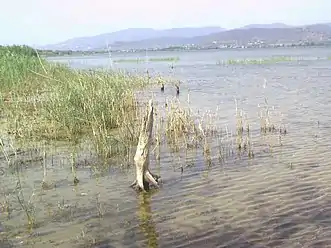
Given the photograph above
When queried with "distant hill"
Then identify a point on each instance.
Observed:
(240, 36)
(143, 38)
(316, 32)
(129, 35)
(271, 25)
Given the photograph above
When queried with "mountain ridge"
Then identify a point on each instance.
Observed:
(144, 38)
(130, 35)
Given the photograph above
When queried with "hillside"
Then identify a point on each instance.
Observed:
(147, 38)
(271, 25)
(129, 35)
(238, 37)
(317, 32)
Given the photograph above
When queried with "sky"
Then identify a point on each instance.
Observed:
(40, 22)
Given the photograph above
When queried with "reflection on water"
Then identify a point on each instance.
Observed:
(147, 225)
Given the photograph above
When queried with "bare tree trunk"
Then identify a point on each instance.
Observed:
(143, 176)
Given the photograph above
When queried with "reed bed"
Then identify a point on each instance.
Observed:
(47, 101)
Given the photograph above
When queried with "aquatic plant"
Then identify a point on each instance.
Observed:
(42, 100)
(265, 60)
(142, 60)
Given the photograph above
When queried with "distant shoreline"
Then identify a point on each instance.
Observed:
(58, 53)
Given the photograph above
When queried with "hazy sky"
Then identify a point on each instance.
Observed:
(49, 21)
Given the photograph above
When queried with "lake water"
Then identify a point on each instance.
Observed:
(279, 198)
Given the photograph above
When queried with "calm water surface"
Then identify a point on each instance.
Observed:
(280, 198)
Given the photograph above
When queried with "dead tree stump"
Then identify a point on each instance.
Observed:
(143, 176)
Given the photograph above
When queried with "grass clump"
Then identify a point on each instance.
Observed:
(48, 101)
(16, 64)
(180, 127)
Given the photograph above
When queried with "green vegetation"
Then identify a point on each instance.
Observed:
(270, 60)
(16, 65)
(53, 53)
(142, 60)
(47, 101)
